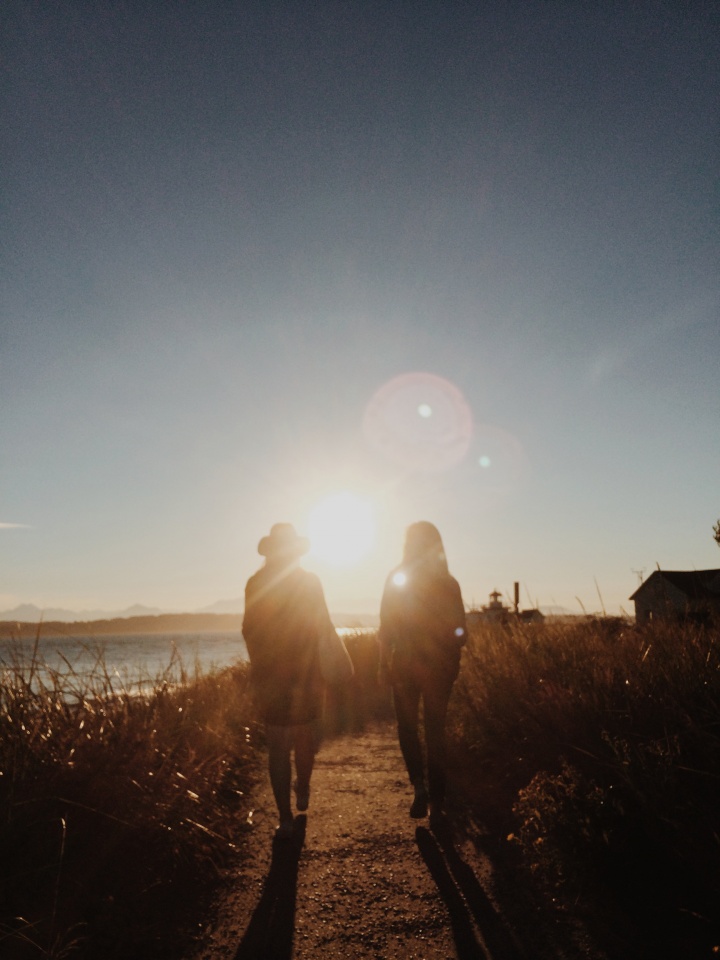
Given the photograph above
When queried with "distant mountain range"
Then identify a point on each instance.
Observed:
(236, 605)
(29, 613)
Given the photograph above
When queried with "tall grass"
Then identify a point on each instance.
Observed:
(598, 745)
(593, 745)
(116, 808)
(120, 804)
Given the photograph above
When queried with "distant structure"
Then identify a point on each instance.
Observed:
(678, 595)
(496, 612)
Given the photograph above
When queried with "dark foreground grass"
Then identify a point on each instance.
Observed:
(595, 746)
(119, 810)
(116, 811)
(591, 748)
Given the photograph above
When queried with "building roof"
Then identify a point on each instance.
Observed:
(695, 584)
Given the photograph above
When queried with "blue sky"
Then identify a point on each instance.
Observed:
(228, 226)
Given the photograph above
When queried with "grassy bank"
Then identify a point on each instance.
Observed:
(116, 811)
(590, 748)
(596, 746)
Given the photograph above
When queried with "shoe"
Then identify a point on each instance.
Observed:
(285, 830)
(302, 797)
(419, 806)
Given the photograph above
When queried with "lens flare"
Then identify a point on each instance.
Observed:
(500, 456)
(419, 421)
(341, 529)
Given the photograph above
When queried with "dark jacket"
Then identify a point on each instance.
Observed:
(285, 615)
(422, 626)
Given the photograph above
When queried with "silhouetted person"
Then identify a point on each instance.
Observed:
(422, 630)
(285, 615)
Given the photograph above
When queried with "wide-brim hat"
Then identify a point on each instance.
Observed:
(283, 541)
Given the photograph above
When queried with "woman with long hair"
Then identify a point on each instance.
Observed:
(422, 631)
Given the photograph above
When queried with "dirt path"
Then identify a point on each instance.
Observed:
(363, 880)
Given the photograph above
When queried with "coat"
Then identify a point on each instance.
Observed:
(285, 615)
(422, 626)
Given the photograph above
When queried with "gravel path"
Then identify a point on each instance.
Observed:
(363, 880)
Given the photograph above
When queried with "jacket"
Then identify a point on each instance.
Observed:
(422, 625)
(285, 614)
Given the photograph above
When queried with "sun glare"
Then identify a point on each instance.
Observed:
(341, 529)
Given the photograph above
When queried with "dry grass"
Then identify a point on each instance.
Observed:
(116, 809)
(595, 745)
(600, 743)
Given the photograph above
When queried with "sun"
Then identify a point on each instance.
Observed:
(341, 529)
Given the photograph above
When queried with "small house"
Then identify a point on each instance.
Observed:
(678, 595)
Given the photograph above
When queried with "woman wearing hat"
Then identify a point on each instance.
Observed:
(422, 630)
(285, 616)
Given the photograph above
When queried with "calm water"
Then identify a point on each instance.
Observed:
(128, 661)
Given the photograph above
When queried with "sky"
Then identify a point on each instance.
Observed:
(446, 261)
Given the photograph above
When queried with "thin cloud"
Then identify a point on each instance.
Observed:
(11, 526)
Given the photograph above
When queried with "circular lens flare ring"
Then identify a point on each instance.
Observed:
(420, 421)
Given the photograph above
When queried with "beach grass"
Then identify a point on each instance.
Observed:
(117, 808)
(596, 745)
(590, 748)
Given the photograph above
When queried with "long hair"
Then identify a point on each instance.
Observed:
(424, 548)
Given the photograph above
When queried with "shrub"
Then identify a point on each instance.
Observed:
(116, 810)
(607, 738)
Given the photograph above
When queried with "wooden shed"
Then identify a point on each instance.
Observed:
(678, 595)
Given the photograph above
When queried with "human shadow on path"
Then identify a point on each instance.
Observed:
(271, 930)
(479, 932)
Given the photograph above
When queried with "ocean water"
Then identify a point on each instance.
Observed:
(125, 662)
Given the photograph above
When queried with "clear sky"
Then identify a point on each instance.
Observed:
(457, 259)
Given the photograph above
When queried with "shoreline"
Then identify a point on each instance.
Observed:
(171, 623)
(162, 623)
